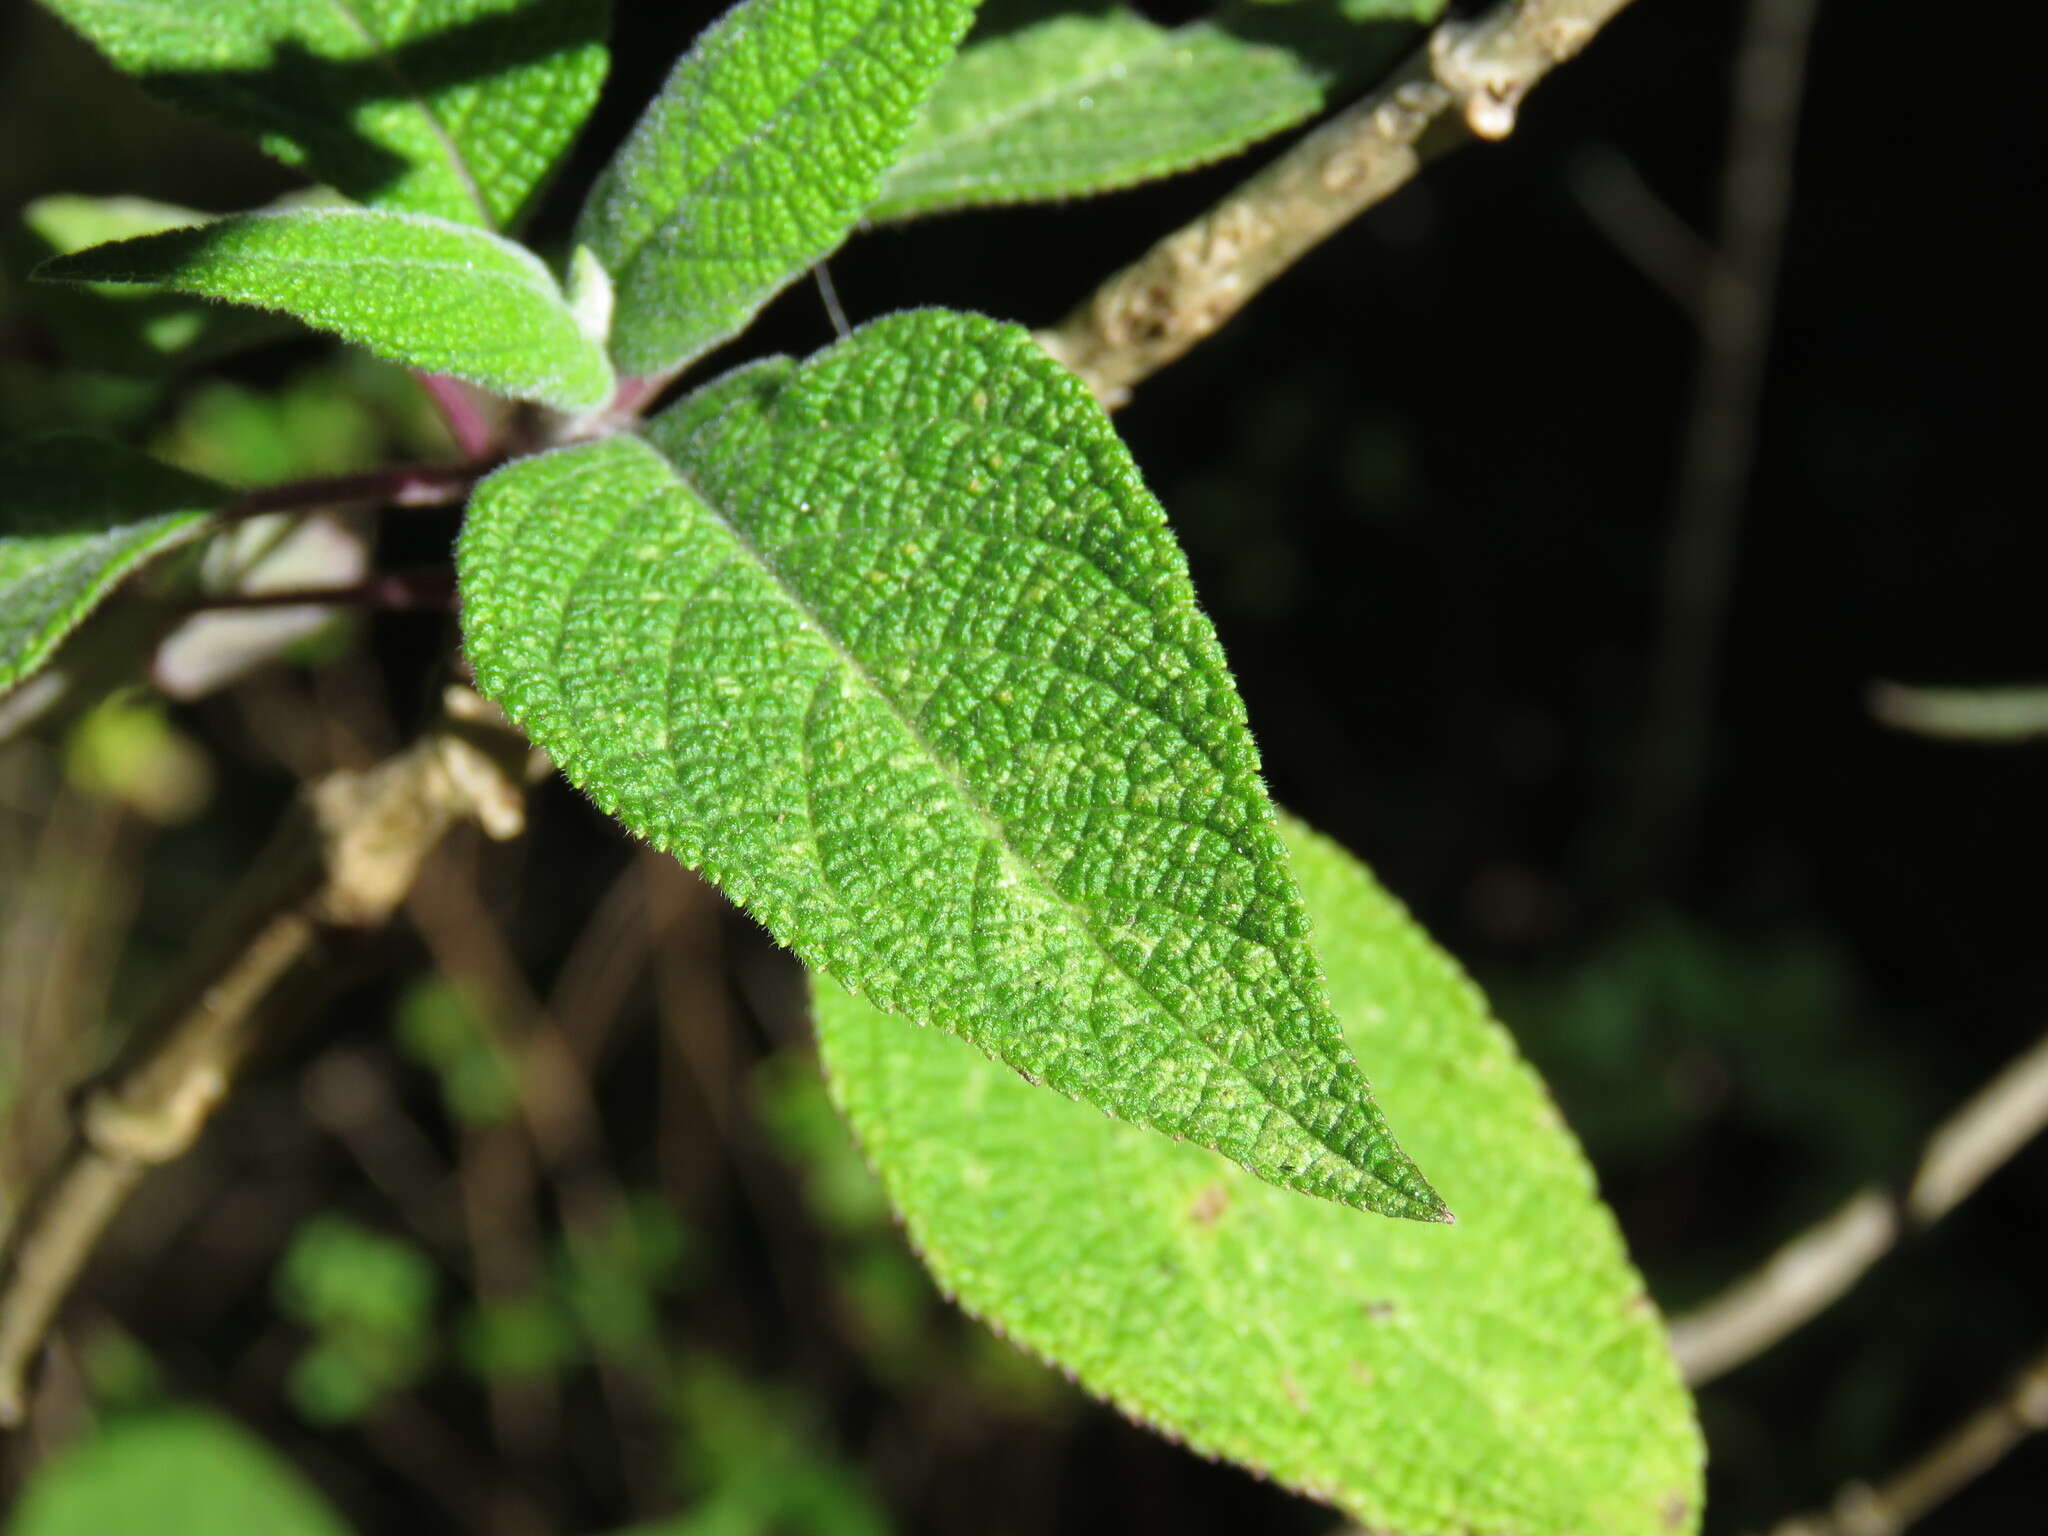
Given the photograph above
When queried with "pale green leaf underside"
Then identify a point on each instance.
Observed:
(76, 516)
(896, 647)
(1505, 1375)
(421, 291)
(758, 156)
(1964, 714)
(172, 1473)
(456, 108)
(68, 222)
(1080, 104)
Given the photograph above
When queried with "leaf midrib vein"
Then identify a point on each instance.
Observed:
(1029, 105)
(388, 62)
(994, 830)
(660, 228)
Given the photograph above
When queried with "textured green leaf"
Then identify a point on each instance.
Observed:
(1078, 104)
(413, 289)
(76, 516)
(457, 108)
(758, 156)
(1424, 11)
(896, 647)
(1506, 1375)
(173, 1473)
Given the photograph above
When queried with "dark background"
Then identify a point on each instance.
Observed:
(1426, 484)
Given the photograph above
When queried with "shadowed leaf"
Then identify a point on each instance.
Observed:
(457, 108)
(1079, 104)
(76, 516)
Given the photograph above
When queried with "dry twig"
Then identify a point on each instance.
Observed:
(345, 862)
(1809, 1273)
(1186, 286)
(1972, 1448)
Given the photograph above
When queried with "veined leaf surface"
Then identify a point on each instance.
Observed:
(896, 647)
(1503, 1375)
(76, 516)
(457, 108)
(416, 290)
(755, 160)
(1086, 103)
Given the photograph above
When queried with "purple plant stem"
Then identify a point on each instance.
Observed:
(466, 422)
(432, 589)
(403, 485)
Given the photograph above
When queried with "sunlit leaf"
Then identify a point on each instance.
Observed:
(434, 295)
(1506, 1374)
(758, 156)
(896, 647)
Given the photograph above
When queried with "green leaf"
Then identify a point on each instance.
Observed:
(122, 327)
(758, 156)
(457, 108)
(412, 289)
(76, 516)
(1505, 1374)
(1424, 11)
(182, 1473)
(896, 648)
(1077, 104)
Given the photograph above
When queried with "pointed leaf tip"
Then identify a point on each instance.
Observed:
(896, 647)
(77, 516)
(1510, 1376)
(416, 290)
(758, 157)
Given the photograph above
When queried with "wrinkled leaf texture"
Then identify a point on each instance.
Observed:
(759, 155)
(896, 647)
(456, 108)
(77, 516)
(416, 290)
(1506, 1375)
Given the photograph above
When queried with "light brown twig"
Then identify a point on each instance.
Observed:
(1989, 715)
(345, 861)
(1809, 1273)
(1186, 286)
(1972, 1448)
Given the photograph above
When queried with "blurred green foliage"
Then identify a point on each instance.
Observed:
(173, 1473)
(126, 748)
(440, 1028)
(369, 1302)
(1667, 1025)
